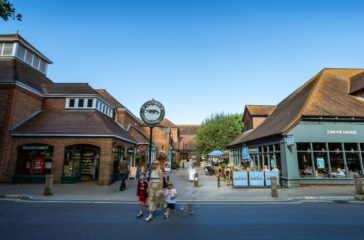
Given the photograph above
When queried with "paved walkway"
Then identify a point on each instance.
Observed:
(208, 191)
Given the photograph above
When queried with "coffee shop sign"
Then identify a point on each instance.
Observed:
(341, 132)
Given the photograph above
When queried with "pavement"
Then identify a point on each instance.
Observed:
(206, 192)
(60, 220)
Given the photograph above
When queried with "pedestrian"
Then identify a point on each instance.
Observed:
(191, 195)
(171, 195)
(142, 194)
(155, 190)
(124, 172)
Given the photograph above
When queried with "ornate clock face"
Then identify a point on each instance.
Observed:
(152, 112)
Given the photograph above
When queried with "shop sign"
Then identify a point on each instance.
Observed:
(268, 175)
(240, 179)
(320, 163)
(256, 179)
(253, 150)
(245, 154)
(37, 164)
(341, 132)
(35, 147)
(131, 150)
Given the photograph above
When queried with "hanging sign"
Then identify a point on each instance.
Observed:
(152, 112)
(256, 179)
(240, 178)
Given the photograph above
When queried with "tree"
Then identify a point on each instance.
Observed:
(217, 131)
(7, 11)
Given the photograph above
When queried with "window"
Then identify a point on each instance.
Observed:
(80, 102)
(21, 52)
(42, 66)
(7, 49)
(89, 103)
(28, 57)
(36, 62)
(97, 104)
(72, 103)
(34, 159)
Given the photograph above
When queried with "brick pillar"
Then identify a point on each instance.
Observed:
(58, 160)
(106, 163)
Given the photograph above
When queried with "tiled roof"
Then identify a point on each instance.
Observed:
(108, 97)
(260, 110)
(188, 129)
(72, 123)
(325, 95)
(357, 83)
(167, 123)
(12, 70)
(139, 136)
(68, 88)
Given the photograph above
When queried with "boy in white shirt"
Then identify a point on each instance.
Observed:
(170, 194)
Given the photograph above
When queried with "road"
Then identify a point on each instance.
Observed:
(41, 220)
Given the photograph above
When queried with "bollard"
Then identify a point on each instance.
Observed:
(273, 187)
(195, 180)
(48, 185)
(358, 185)
(218, 180)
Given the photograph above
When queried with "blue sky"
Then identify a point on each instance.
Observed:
(197, 57)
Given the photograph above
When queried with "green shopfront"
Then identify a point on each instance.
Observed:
(313, 152)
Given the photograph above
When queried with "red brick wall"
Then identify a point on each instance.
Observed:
(125, 118)
(257, 121)
(17, 104)
(54, 104)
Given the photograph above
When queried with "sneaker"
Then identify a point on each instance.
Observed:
(149, 218)
(140, 215)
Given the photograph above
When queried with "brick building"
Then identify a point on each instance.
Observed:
(70, 130)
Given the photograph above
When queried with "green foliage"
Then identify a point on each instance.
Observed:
(217, 131)
(7, 11)
(175, 164)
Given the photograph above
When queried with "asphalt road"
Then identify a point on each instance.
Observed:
(27, 220)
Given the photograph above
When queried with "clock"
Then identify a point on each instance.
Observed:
(152, 112)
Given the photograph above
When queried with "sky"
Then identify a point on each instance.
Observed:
(197, 57)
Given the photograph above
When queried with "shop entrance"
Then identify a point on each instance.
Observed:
(81, 163)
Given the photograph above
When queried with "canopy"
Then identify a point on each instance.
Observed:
(216, 153)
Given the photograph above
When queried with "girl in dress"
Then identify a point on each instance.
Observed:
(142, 194)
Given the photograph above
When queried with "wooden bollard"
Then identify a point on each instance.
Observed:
(48, 185)
(218, 181)
(273, 187)
(358, 185)
(195, 180)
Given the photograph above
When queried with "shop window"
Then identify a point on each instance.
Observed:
(277, 147)
(319, 147)
(118, 155)
(270, 148)
(34, 159)
(353, 163)
(335, 147)
(303, 147)
(351, 147)
(305, 164)
(321, 165)
(337, 165)
(82, 161)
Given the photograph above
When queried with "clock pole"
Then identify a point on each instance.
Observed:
(150, 148)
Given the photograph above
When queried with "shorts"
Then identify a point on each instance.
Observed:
(171, 206)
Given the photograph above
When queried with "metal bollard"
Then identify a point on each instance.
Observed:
(273, 187)
(195, 180)
(218, 181)
(358, 185)
(48, 185)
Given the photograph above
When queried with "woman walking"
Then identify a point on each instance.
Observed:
(155, 190)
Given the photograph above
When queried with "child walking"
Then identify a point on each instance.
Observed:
(142, 194)
(171, 195)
